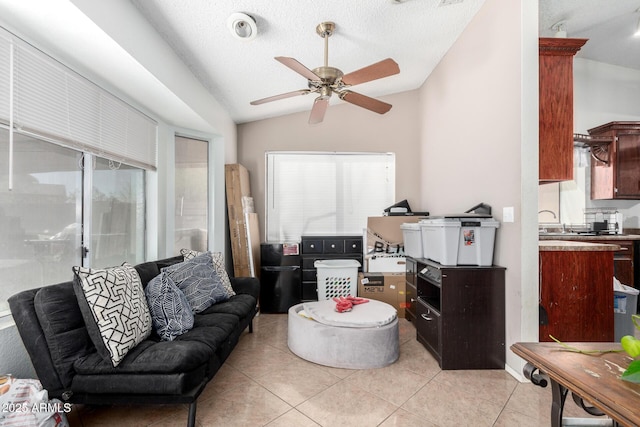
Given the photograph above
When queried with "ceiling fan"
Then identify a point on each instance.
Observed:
(327, 80)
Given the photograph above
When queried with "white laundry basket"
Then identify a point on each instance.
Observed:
(337, 278)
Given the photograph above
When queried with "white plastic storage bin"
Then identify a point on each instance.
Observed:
(440, 240)
(459, 240)
(412, 236)
(337, 278)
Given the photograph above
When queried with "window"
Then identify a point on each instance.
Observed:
(117, 214)
(40, 237)
(326, 193)
(41, 222)
(192, 171)
(72, 172)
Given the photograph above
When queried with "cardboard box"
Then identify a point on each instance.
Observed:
(243, 222)
(384, 235)
(385, 287)
(390, 263)
(238, 187)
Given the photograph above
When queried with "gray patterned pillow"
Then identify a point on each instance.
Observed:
(114, 308)
(199, 282)
(170, 310)
(218, 265)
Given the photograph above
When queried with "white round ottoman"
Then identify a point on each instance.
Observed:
(366, 337)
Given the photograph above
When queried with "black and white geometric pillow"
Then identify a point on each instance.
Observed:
(218, 265)
(170, 310)
(114, 309)
(199, 282)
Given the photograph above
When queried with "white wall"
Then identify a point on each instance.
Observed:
(203, 118)
(602, 93)
(479, 133)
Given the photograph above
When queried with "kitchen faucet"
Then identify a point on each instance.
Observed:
(547, 210)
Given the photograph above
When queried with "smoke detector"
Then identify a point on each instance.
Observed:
(242, 26)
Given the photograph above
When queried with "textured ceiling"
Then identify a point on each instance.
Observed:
(415, 33)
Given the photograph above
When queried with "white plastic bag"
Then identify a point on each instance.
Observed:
(24, 403)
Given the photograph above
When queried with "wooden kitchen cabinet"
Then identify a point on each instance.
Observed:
(615, 171)
(556, 107)
(576, 291)
(623, 260)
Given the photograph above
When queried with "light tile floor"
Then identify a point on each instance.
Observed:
(263, 384)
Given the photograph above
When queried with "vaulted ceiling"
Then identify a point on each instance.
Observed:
(415, 33)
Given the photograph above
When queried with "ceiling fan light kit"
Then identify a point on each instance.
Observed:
(242, 26)
(326, 80)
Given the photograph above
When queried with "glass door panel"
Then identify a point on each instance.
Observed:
(117, 214)
(40, 232)
(192, 171)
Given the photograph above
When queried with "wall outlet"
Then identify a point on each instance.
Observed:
(508, 214)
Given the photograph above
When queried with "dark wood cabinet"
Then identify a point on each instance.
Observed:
(411, 292)
(317, 248)
(614, 167)
(556, 107)
(623, 260)
(576, 295)
(460, 314)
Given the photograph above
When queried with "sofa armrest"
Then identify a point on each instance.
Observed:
(246, 285)
(24, 314)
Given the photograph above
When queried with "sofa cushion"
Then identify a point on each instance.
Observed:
(170, 311)
(147, 271)
(114, 309)
(199, 282)
(165, 367)
(211, 329)
(240, 305)
(218, 264)
(150, 357)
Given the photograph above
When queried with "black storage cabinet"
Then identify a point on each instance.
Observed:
(318, 248)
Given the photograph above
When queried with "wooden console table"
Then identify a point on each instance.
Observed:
(594, 379)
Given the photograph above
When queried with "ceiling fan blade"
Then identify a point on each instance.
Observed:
(298, 68)
(281, 96)
(365, 102)
(385, 68)
(319, 108)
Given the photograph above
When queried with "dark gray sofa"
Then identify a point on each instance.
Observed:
(52, 328)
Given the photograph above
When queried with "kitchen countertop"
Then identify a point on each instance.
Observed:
(568, 245)
(583, 237)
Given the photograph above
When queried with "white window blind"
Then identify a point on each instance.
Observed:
(53, 101)
(326, 193)
(5, 63)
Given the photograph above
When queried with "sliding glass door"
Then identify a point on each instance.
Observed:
(192, 200)
(117, 214)
(49, 196)
(40, 213)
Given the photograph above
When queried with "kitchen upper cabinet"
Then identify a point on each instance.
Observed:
(615, 163)
(556, 107)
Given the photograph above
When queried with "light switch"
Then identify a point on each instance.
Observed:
(508, 214)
